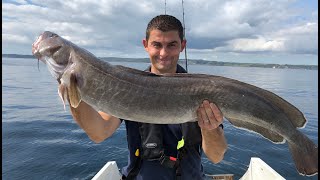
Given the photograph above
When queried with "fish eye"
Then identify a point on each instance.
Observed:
(53, 35)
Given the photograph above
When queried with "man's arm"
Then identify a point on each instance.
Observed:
(214, 143)
(97, 125)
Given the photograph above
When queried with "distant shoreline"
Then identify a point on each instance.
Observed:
(193, 61)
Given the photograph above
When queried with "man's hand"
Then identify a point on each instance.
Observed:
(214, 143)
(209, 116)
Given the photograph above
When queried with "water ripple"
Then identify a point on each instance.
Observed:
(41, 141)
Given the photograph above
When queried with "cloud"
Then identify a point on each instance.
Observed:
(253, 45)
(11, 38)
(234, 19)
(284, 40)
(116, 27)
(253, 26)
(19, 2)
(301, 38)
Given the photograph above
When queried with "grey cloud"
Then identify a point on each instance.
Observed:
(119, 26)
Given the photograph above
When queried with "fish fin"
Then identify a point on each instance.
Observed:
(73, 93)
(305, 154)
(294, 114)
(134, 71)
(267, 133)
(62, 94)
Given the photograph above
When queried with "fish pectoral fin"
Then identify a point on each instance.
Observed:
(73, 92)
(62, 91)
(264, 131)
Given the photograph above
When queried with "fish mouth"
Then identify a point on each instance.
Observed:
(39, 52)
(35, 47)
(45, 48)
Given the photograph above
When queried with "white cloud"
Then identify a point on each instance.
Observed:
(296, 39)
(118, 26)
(315, 14)
(300, 38)
(20, 1)
(253, 45)
(234, 19)
(307, 28)
(10, 38)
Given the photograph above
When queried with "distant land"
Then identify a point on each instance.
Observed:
(194, 61)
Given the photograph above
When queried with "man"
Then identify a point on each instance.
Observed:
(162, 151)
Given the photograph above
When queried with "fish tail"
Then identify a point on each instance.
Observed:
(305, 154)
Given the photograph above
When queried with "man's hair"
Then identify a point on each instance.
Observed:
(165, 23)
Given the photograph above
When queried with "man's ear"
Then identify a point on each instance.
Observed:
(183, 44)
(145, 44)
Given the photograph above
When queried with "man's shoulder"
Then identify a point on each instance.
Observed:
(180, 69)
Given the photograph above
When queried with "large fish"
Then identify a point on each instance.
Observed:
(173, 98)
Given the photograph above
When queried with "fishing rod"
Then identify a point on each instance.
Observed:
(184, 30)
(165, 7)
(184, 37)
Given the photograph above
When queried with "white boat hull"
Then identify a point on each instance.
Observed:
(257, 170)
(110, 171)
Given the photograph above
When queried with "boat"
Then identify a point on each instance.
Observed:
(109, 171)
(257, 170)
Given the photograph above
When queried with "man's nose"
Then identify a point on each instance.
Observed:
(163, 51)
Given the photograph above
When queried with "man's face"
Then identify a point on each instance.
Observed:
(164, 49)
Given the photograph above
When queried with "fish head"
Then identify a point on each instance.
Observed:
(54, 51)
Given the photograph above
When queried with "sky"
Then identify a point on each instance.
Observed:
(244, 31)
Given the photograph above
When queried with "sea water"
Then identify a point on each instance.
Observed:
(40, 140)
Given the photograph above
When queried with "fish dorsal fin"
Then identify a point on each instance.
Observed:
(134, 71)
(294, 114)
(267, 133)
(73, 92)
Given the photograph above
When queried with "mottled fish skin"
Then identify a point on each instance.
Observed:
(173, 98)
